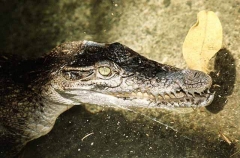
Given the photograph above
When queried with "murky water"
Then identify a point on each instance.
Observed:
(155, 29)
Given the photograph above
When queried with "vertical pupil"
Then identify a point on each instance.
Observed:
(105, 70)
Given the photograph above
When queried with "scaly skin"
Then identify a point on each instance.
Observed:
(35, 92)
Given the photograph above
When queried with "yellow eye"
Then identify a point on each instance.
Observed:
(105, 71)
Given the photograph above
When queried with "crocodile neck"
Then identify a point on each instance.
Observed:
(29, 106)
(48, 107)
(35, 113)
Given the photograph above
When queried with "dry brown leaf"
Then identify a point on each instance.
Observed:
(203, 41)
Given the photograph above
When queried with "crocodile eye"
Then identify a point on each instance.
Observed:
(104, 70)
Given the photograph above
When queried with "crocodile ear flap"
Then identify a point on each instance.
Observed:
(77, 74)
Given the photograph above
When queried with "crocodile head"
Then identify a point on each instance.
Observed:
(115, 75)
(87, 72)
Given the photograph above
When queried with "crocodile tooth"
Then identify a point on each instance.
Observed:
(151, 95)
(167, 96)
(161, 95)
(189, 94)
(171, 95)
(140, 94)
(133, 94)
(145, 94)
(174, 94)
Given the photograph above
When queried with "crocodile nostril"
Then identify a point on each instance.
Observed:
(196, 74)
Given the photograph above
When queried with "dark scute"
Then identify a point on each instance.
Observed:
(119, 53)
(90, 55)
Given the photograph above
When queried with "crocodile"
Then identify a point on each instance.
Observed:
(35, 92)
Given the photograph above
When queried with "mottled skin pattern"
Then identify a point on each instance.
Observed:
(35, 92)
